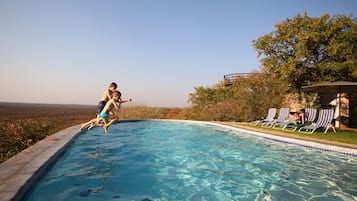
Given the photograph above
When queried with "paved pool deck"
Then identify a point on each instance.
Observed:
(21, 172)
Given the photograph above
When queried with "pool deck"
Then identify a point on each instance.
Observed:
(20, 173)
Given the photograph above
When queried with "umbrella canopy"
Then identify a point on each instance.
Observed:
(333, 87)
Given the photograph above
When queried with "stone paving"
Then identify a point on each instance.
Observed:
(21, 172)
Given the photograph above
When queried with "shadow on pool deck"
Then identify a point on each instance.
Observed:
(21, 172)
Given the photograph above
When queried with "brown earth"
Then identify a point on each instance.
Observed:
(28, 110)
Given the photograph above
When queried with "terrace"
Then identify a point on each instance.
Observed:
(229, 79)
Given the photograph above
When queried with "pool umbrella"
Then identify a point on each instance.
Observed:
(333, 87)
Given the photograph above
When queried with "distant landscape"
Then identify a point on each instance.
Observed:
(24, 124)
(33, 110)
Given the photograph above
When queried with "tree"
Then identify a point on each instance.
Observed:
(304, 50)
(301, 51)
(205, 98)
(245, 100)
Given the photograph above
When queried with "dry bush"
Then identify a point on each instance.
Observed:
(145, 112)
(22, 125)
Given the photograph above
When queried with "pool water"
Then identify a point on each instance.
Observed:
(159, 160)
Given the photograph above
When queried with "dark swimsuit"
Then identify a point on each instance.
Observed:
(101, 106)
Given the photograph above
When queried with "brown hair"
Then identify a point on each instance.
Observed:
(113, 84)
(116, 93)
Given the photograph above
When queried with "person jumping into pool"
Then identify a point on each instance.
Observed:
(114, 102)
(107, 95)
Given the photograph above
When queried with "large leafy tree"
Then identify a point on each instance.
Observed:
(304, 50)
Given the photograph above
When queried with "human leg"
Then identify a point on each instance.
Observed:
(88, 123)
(105, 127)
(97, 123)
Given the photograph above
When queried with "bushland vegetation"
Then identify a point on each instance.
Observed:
(22, 125)
(145, 112)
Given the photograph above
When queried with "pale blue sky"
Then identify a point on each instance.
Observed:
(157, 51)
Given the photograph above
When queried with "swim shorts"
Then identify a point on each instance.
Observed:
(101, 106)
(104, 115)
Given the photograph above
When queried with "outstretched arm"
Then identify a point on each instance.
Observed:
(124, 100)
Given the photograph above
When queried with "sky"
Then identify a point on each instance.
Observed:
(157, 51)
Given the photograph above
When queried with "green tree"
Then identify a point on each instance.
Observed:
(301, 51)
(245, 100)
(304, 50)
(261, 91)
(204, 98)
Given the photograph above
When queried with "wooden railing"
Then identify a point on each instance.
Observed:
(229, 79)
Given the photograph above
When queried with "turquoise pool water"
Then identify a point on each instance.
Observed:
(158, 160)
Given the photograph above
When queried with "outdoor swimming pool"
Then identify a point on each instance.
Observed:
(166, 160)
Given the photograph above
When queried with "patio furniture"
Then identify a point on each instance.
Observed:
(282, 116)
(324, 120)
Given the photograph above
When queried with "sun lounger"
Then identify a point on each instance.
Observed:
(283, 115)
(310, 116)
(270, 117)
(283, 124)
(324, 120)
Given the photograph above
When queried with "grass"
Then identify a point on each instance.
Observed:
(340, 137)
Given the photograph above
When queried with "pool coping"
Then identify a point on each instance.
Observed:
(21, 172)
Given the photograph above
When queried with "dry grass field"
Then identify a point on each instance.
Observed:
(28, 110)
(22, 124)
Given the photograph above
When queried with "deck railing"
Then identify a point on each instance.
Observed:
(234, 77)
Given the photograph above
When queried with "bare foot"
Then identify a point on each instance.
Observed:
(90, 127)
(82, 126)
(105, 129)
